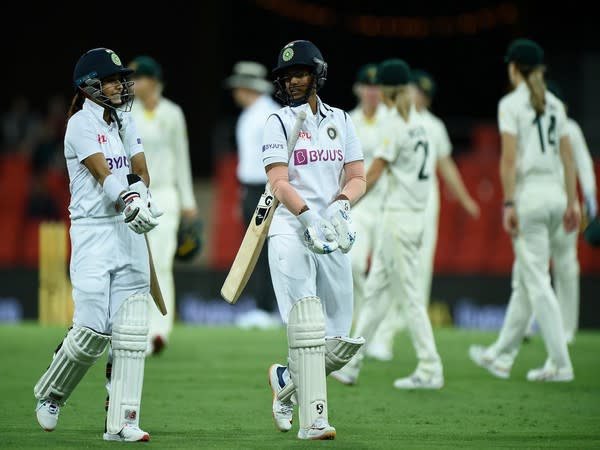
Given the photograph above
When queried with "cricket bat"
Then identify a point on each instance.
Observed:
(256, 233)
(154, 286)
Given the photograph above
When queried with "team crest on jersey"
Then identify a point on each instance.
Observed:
(331, 132)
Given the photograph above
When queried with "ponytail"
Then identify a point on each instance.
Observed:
(76, 104)
(534, 77)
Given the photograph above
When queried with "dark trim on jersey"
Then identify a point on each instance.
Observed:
(345, 116)
(282, 126)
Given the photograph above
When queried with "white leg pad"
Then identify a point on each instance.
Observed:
(339, 350)
(79, 350)
(129, 340)
(306, 341)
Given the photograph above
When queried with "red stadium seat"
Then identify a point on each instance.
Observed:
(10, 230)
(15, 173)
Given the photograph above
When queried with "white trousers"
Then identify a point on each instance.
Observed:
(163, 244)
(109, 262)
(395, 321)
(540, 209)
(298, 272)
(394, 280)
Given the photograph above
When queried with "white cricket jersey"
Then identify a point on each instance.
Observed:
(326, 142)
(583, 159)
(538, 139)
(166, 147)
(369, 134)
(248, 134)
(440, 144)
(405, 146)
(87, 133)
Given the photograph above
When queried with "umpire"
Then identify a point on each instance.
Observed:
(251, 91)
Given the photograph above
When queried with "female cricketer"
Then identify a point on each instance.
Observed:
(109, 265)
(539, 198)
(310, 236)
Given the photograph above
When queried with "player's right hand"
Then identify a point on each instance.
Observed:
(136, 214)
(319, 234)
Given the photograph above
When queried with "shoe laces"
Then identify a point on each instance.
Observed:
(51, 405)
(286, 408)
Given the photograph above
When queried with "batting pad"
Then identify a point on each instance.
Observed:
(130, 331)
(339, 350)
(79, 350)
(306, 341)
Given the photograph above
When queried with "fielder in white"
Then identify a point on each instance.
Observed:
(366, 117)
(162, 126)
(423, 90)
(109, 265)
(310, 237)
(565, 264)
(539, 184)
(394, 276)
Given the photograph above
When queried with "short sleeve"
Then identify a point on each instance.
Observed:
(274, 141)
(353, 148)
(507, 118)
(132, 141)
(81, 139)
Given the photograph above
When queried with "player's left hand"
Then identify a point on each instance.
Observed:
(510, 222)
(572, 217)
(136, 184)
(338, 214)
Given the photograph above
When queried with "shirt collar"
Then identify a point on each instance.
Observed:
(95, 109)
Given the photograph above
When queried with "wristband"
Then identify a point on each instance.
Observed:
(112, 187)
(508, 203)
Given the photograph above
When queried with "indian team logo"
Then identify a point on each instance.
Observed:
(115, 59)
(288, 54)
(331, 132)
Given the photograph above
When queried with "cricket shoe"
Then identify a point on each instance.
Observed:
(420, 380)
(320, 430)
(495, 366)
(129, 433)
(47, 411)
(551, 373)
(283, 411)
(347, 375)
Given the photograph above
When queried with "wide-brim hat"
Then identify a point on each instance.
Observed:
(249, 75)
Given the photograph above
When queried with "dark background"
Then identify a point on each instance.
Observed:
(461, 44)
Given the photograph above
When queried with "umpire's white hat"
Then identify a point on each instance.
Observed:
(249, 75)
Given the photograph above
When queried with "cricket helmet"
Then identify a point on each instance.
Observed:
(94, 66)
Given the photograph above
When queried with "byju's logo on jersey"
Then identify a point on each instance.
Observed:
(304, 156)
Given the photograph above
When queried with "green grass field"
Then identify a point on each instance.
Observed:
(209, 390)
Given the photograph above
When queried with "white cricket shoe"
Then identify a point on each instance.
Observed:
(47, 411)
(551, 373)
(129, 433)
(420, 380)
(320, 430)
(347, 375)
(283, 411)
(495, 366)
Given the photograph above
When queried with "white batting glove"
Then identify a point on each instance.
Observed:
(137, 184)
(136, 214)
(319, 235)
(339, 215)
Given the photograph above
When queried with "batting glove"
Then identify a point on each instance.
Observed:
(136, 214)
(339, 215)
(319, 235)
(137, 184)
